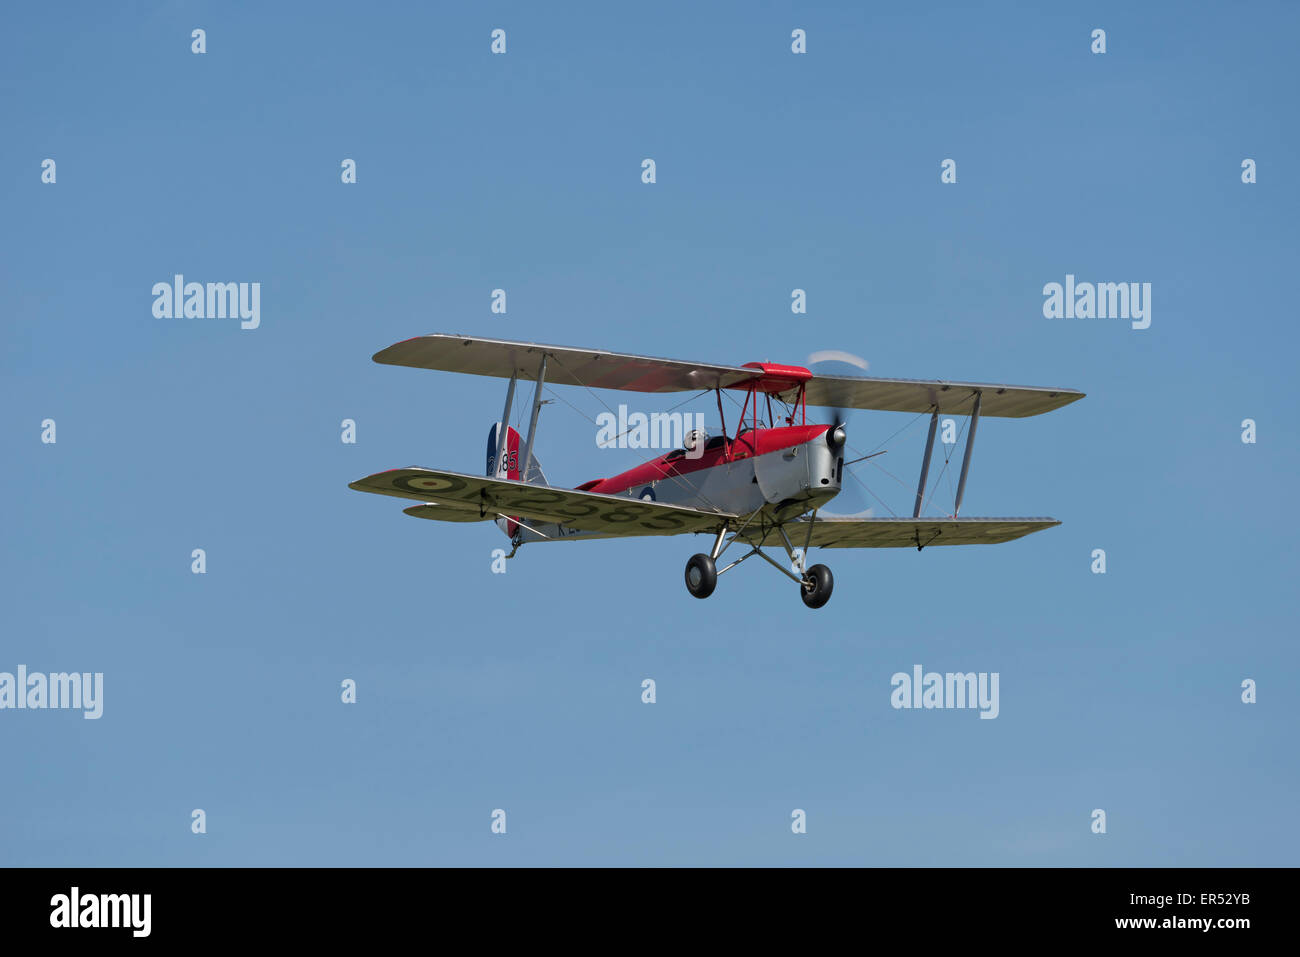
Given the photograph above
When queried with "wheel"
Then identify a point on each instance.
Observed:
(701, 576)
(817, 586)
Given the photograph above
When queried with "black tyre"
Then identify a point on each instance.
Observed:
(701, 576)
(817, 586)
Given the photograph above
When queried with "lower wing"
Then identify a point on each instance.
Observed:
(455, 497)
(842, 532)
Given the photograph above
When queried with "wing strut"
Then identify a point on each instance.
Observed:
(726, 446)
(925, 464)
(965, 461)
(537, 407)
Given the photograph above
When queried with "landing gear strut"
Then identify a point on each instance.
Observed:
(815, 583)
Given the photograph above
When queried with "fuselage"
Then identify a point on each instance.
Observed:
(769, 469)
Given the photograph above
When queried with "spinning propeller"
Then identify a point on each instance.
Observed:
(834, 362)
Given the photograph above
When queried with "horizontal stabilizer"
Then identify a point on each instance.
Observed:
(447, 513)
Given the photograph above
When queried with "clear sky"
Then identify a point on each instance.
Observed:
(522, 171)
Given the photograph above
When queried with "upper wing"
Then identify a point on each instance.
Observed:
(922, 395)
(565, 365)
(598, 369)
(487, 498)
(843, 532)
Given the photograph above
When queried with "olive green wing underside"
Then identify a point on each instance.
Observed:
(455, 497)
(843, 532)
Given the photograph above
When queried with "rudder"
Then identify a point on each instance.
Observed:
(511, 458)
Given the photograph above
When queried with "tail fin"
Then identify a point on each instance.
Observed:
(511, 458)
(508, 467)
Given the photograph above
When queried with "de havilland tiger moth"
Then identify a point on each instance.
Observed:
(762, 487)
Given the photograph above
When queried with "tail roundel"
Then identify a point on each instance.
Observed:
(511, 458)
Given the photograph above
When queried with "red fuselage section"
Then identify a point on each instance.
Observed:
(718, 450)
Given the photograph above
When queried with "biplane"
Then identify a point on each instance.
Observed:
(762, 486)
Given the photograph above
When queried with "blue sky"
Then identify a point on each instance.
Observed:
(522, 691)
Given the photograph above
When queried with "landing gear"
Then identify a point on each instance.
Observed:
(817, 586)
(701, 576)
(815, 583)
